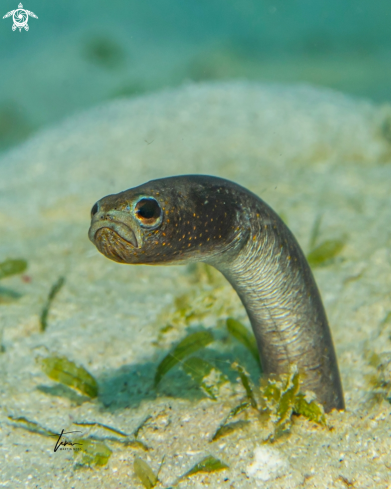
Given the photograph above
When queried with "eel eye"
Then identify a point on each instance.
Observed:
(148, 212)
(94, 209)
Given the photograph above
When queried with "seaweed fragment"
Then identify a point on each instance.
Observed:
(201, 301)
(386, 320)
(7, 269)
(91, 452)
(207, 464)
(315, 232)
(191, 306)
(190, 344)
(8, 295)
(324, 252)
(126, 440)
(282, 398)
(141, 426)
(104, 52)
(12, 267)
(100, 425)
(381, 380)
(144, 472)
(246, 382)
(32, 426)
(14, 126)
(63, 391)
(205, 274)
(279, 396)
(226, 427)
(52, 294)
(135, 444)
(66, 372)
(346, 481)
(208, 377)
(309, 408)
(241, 333)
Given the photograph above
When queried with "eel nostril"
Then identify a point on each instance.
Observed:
(94, 209)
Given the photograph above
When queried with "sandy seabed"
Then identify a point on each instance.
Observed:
(306, 152)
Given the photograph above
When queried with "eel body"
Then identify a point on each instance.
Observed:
(196, 218)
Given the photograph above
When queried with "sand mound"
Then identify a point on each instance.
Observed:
(308, 153)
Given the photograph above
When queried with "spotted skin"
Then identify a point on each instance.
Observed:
(197, 218)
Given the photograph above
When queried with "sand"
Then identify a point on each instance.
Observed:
(308, 153)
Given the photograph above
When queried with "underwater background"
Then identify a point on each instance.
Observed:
(79, 54)
(154, 370)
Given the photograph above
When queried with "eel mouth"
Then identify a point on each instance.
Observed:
(114, 246)
(119, 229)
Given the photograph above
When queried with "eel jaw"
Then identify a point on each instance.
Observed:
(121, 230)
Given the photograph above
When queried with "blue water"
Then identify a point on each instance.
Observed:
(79, 54)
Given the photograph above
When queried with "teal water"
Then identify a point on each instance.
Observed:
(79, 54)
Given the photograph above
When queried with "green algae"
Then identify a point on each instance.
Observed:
(56, 287)
(144, 472)
(198, 303)
(226, 427)
(32, 426)
(246, 382)
(315, 231)
(326, 251)
(207, 464)
(64, 392)
(125, 440)
(12, 267)
(282, 398)
(241, 333)
(135, 444)
(386, 320)
(309, 408)
(141, 426)
(68, 373)
(104, 52)
(208, 377)
(190, 344)
(93, 424)
(8, 295)
(193, 305)
(91, 452)
(7, 269)
(279, 399)
(380, 381)
(322, 254)
(14, 126)
(279, 396)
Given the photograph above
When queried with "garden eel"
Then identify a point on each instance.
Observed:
(199, 218)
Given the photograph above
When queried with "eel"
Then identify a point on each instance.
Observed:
(199, 218)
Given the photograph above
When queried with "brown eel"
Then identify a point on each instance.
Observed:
(199, 218)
